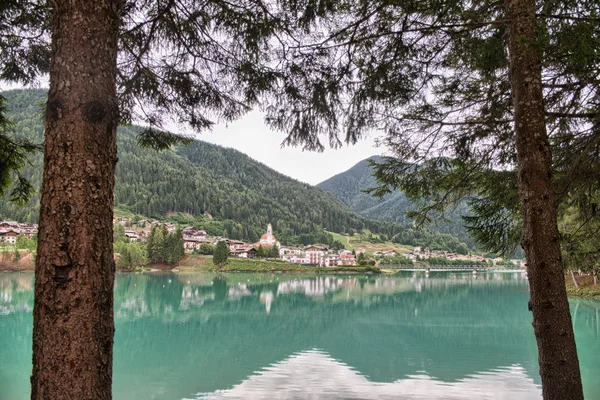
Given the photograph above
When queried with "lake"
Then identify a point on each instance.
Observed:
(450, 335)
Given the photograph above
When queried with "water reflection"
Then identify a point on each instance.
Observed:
(315, 374)
(446, 335)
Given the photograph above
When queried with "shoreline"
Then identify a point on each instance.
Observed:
(586, 287)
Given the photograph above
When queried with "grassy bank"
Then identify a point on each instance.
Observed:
(364, 242)
(586, 286)
(204, 263)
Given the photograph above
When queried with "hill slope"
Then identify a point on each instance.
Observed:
(187, 182)
(347, 187)
(197, 179)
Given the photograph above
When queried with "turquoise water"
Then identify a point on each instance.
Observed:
(253, 336)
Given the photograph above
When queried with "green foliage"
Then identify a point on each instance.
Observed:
(23, 242)
(336, 245)
(270, 265)
(434, 76)
(351, 188)
(161, 140)
(206, 249)
(130, 255)
(221, 254)
(262, 252)
(189, 183)
(164, 247)
(362, 259)
(505, 263)
(14, 154)
(396, 260)
(444, 261)
(274, 252)
(118, 233)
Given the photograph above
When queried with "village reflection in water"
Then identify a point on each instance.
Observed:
(204, 335)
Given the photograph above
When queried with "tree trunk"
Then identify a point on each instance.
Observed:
(559, 366)
(574, 279)
(74, 273)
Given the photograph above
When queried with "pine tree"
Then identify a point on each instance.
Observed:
(221, 254)
(150, 244)
(77, 43)
(179, 245)
(158, 247)
(473, 97)
(274, 252)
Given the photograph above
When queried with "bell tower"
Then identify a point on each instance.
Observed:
(269, 229)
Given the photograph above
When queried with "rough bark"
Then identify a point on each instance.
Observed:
(74, 274)
(559, 365)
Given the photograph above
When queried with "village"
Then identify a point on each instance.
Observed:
(10, 231)
(313, 255)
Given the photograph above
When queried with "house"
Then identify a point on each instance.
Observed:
(247, 251)
(9, 224)
(9, 236)
(193, 238)
(142, 223)
(289, 251)
(314, 254)
(142, 236)
(331, 260)
(9, 230)
(131, 235)
(195, 235)
(294, 258)
(171, 227)
(347, 258)
(123, 220)
(235, 244)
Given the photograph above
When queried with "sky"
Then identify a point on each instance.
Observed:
(251, 136)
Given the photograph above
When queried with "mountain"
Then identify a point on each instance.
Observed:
(198, 179)
(218, 189)
(348, 187)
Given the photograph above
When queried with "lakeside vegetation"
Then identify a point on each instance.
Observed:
(586, 288)
(205, 263)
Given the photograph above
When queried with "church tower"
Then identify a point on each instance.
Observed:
(268, 239)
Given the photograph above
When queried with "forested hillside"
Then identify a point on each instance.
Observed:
(241, 194)
(348, 188)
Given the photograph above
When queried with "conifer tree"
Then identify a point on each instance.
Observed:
(274, 252)
(158, 247)
(193, 62)
(221, 254)
(473, 98)
(150, 244)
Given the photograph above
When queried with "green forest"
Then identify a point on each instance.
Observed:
(214, 188)
(349, 187)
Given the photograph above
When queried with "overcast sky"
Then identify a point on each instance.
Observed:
(251, 136)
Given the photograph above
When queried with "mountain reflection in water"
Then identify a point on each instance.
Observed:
(314, 374)
(201, 335)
